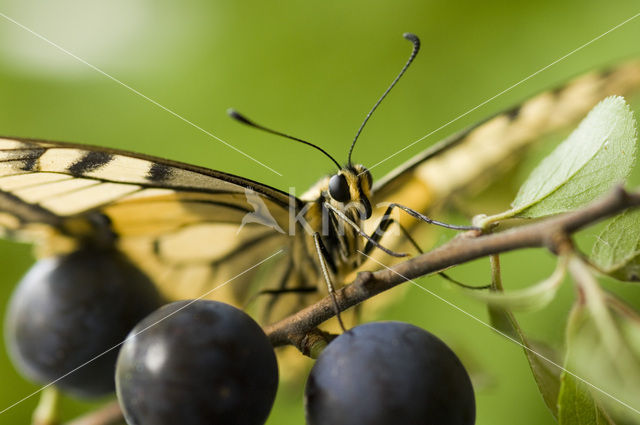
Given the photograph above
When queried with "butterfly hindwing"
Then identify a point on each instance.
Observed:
(476, 154)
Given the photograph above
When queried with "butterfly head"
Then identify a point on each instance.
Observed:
(351, 188)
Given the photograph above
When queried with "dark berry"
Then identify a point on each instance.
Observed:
(69, 310)
(388, 373)
(197, 362)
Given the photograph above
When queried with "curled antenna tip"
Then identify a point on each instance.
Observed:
(411, 37)
(414, 39)
(416, 47)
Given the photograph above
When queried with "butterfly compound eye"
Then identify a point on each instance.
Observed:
(339, 188)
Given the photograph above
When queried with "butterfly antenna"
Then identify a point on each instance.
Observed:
(244, 120)
(416, 47)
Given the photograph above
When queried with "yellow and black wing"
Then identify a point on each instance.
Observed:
(484, 150)
(192, 228)
(476, 156)
(189, 228)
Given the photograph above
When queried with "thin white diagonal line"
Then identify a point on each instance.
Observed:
(506, 336)
(508, 89)
(112, 78)
(138, 333)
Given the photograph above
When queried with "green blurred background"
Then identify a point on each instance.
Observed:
(313, 70)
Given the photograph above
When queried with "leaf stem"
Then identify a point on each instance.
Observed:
(47, 411)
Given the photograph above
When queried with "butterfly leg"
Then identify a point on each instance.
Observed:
(383, 226)
(283, 283)
(278, 291)
(426, 219)
(322, 253)
(387, 220)
(281, 289)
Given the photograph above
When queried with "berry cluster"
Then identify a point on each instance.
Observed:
(206, 362)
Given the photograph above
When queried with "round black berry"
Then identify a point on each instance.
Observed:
(388, 373)
(69, 310)
(197, 362)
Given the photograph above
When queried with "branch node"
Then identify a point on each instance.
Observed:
(363, 280)
(313, 342)
(559, 242)
(621, 195)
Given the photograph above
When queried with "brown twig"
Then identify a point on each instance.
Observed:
(551, 233)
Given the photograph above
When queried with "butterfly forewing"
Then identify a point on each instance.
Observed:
(189, 228)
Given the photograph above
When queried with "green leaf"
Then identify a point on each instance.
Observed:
(603, 346)
(576, 406)
(502, 320)
(545, 373)
(540, 357)
(597, 155)
(532, 298)
(576, 402)
(617, 249)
